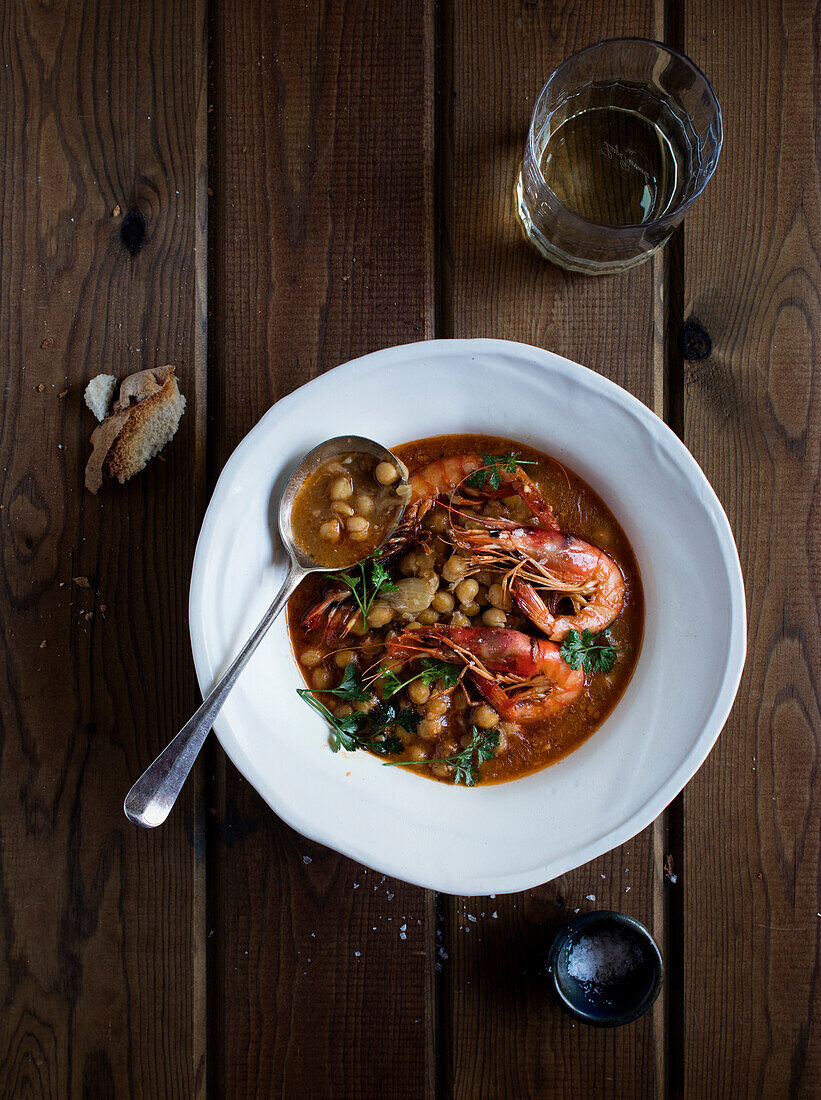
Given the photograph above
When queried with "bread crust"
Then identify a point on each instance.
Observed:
(146, 399)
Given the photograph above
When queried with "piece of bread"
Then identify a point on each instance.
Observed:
(100, 393)
(145, 417)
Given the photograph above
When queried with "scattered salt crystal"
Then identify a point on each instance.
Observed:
(307, 859)
(627, 889)
(590, 897)
(356, 886)
(493, 897)
(403, 935)
(602, 957)
(495, 914)
(390, 897)
(604, 876)
(313, 935)
(357, 954)
(471, 917)
(576, 910)
(403, 928)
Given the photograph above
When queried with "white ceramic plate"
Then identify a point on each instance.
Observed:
(509, 836)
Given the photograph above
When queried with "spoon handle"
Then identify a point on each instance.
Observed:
(149, 801)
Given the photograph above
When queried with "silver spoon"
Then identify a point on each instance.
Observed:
(149, 801)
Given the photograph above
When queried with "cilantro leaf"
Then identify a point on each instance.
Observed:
(492, 468)
(592, 652)
(351, 687)
(366, 584)
(466, 763)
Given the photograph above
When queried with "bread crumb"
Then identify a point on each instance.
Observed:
(100, 393)
(40, 388)
(43, 644)
(82, 582)
(63, 394)
(47, 343)
(89, 615)
(115, 213)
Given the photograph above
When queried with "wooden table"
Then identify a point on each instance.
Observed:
(298, 184)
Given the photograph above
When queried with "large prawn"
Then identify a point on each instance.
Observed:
(523, 678)
(552, 560)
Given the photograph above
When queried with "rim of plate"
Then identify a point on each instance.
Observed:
(585, 378)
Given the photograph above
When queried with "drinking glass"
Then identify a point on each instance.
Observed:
(624, 137)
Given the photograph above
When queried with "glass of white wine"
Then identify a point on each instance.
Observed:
(624, 137)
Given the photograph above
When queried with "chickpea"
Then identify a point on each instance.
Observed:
(470, 609)
(455, 568)
(363, 504)
(416, 751)
(427, 617)
(504, 744)
(391, 634)
(424, 561)
(438, 521)
(341, 488)
(466, 590)
(330, 530)
(407, 564)
(321, 678)
(429, 729)
(357, 527)
(494, 617)
(364, 705)
(483, 577)
(380, 614)
(496, 595)
(418, 692)
(343, 658)
(310, 658)
(485, 717)
(341, 508)
(458, 618)
(413, 625)
(443, 602)
(437, 707)
(386, 473)
(343, 710)
(440, 770)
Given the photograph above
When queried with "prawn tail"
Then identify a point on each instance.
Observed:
(529, 492)
(493, 694)
(533, 606)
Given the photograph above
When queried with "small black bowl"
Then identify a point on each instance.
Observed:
(617, 1001)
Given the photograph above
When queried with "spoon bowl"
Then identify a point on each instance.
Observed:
(149, 801)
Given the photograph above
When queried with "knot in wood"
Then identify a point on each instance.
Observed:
(132, 231)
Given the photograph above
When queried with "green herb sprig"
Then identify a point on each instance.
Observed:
(466, 763)
(362, 730)
(366, 582)
(493, 467)
(432, 670)
(592, 652)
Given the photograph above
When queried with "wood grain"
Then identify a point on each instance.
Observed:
(753, 420)
(322, 243)
(101, 936)
(503, 1035)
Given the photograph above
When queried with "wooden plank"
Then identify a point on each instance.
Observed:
(503, 1034)
(753, 420)
(101, 949)
(323, 222)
